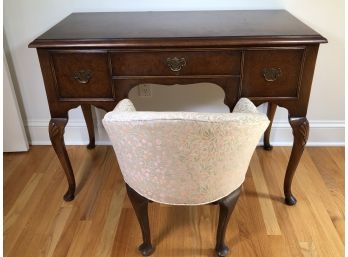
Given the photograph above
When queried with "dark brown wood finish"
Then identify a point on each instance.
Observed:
(154, 63)
(226, 205)
(300, 130)
(87, 114)
(178, 29)
(56, 131)
(271, 109)
(140, 206)
(96, 58)
(287, 65)
(82, 74)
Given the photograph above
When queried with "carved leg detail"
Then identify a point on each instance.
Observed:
(140, 205)
(300, 130)
(271, 109)
(56, 132)
(227, 205)
(87, 114)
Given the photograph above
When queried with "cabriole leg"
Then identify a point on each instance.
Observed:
(87, 114)
(271, 109)
(140, 206)
(56, 132)
(227, 205)
(300, 130)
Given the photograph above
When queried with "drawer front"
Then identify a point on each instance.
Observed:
(272, 73)
(82, 74)
(174, 63)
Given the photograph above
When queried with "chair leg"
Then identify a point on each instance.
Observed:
(227, 205)
(140, 205)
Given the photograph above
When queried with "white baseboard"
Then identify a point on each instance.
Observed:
(322, 133)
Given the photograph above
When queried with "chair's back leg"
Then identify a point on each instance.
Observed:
(227, 205)
(140, 205)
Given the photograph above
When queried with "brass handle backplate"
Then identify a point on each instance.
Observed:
(175, 63)
(271, 74)
(83, 76)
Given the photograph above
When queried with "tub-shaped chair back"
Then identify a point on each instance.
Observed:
(184, 158)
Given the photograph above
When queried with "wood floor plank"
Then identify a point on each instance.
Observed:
(266, 205)
(86, 170)
(37, 228)
(81, 239)
(17, 208)
(11, 162)
(105, 243)
(100, 222)
(99, 212)
(323, 195)
(248, 205)
(13, 231)
(333, 178)
(308, 249)
(318, 222)
(57, 230)
(337, 154)
(273, 164)
(35, 162)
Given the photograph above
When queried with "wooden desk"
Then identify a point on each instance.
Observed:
(96, 58)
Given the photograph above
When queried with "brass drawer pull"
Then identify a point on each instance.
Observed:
(175, 63)
(271, 74)
(83, 76)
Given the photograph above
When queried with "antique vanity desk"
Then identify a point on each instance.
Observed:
(96, 58)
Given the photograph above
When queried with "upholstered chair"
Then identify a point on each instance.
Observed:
(184, 158)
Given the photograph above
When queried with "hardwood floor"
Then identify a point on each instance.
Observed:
(101, 223)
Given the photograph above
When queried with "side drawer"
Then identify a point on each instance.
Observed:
(82, 74)
(167, 63)
(272, 72)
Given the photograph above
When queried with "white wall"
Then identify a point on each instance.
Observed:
(15, 139)
(26, 19)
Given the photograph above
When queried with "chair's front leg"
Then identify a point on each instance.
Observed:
(140, 205)
(227, 205)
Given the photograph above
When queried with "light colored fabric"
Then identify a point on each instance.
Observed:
(239, 118)
(184, 158)
(244, 105)
(124, 105)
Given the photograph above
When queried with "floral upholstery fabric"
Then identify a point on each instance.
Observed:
(245, 106)
(185, 158)
(125, 105)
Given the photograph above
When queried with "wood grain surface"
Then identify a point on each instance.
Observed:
(101, 223)
(244, 27)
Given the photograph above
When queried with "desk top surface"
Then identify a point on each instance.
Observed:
(138, 28)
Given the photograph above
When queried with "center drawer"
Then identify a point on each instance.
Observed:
(174, 63)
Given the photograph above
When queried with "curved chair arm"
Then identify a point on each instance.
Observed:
(124, 105)
(244, 105)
